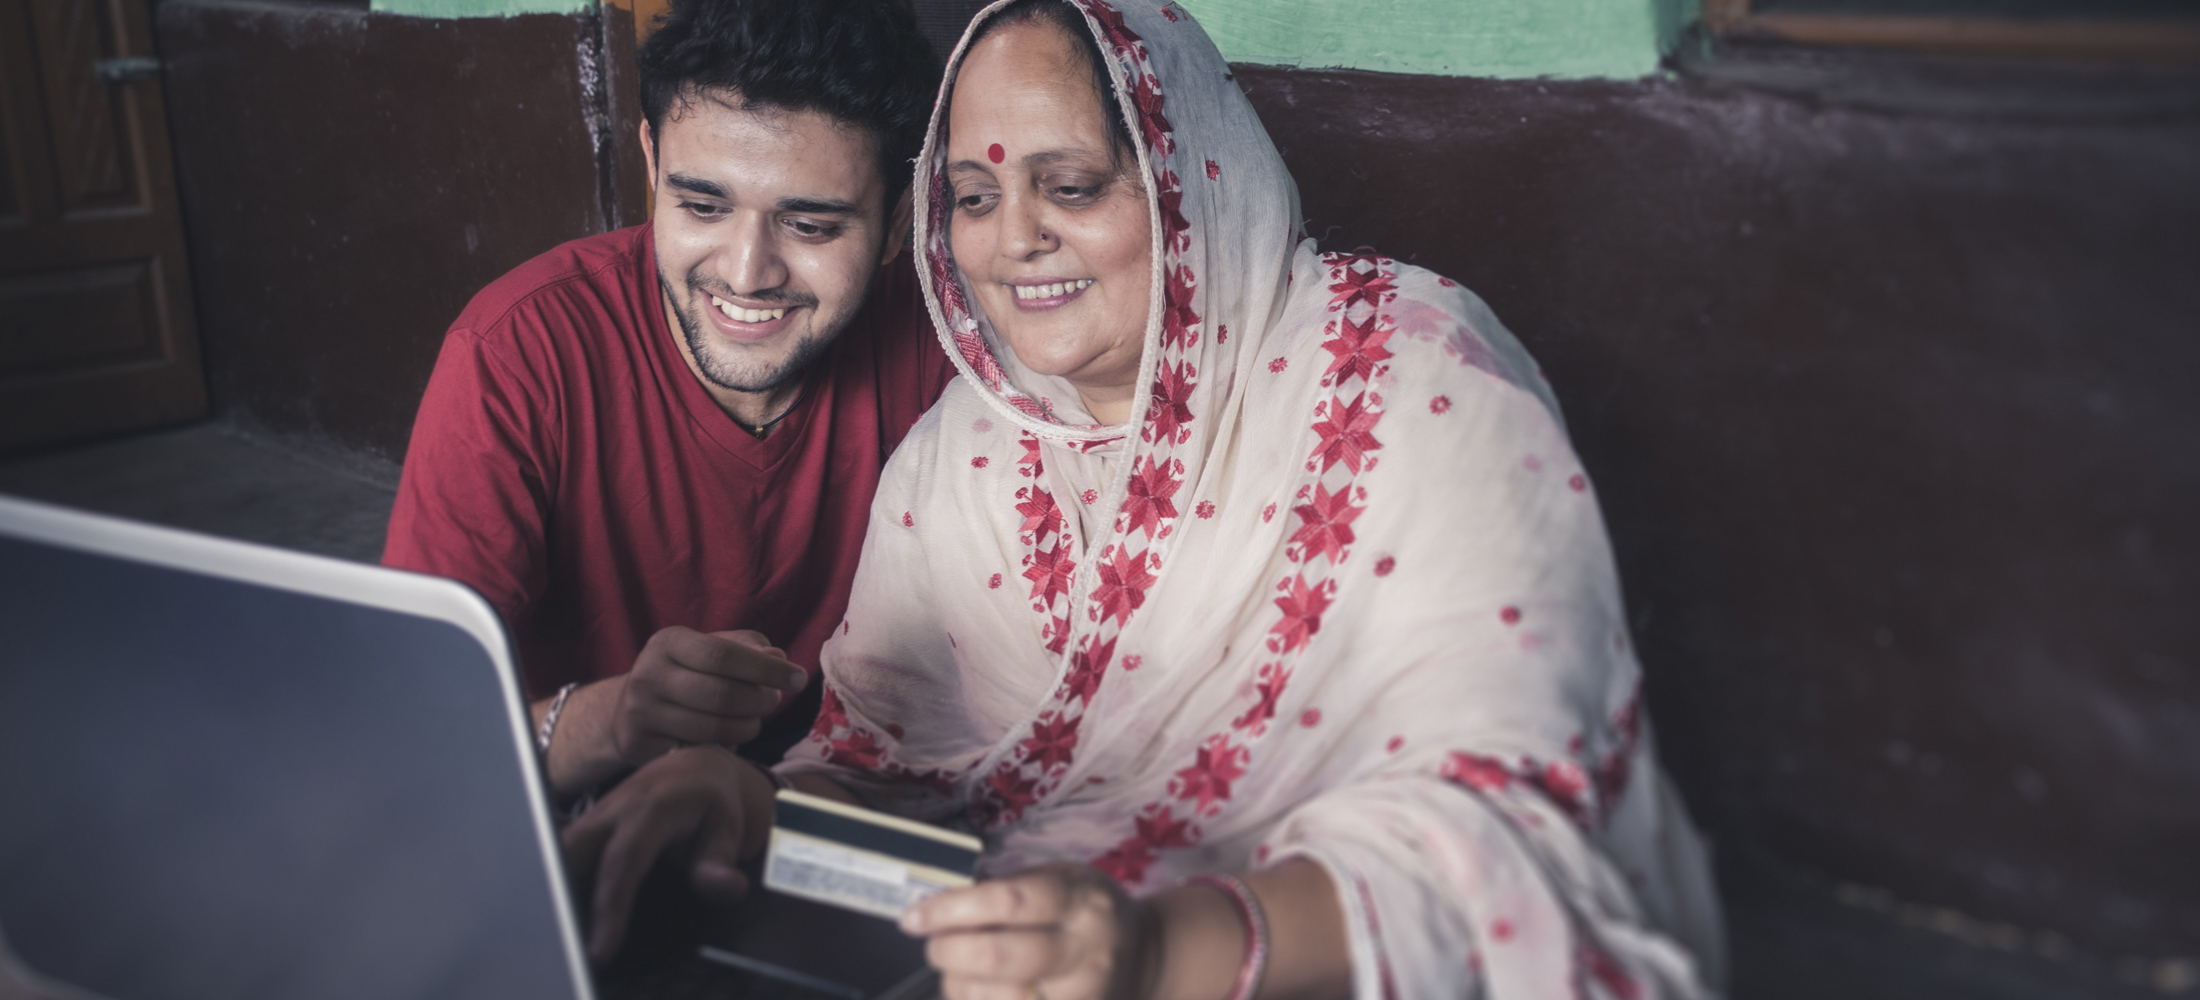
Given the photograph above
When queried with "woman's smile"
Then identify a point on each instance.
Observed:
(1033, 295)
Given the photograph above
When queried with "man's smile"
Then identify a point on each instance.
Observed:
(740, 315)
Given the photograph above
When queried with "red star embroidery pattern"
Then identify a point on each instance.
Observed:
(1148, 504)
(1326, 525)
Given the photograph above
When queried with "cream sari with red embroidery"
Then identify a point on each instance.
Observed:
(1339, 590)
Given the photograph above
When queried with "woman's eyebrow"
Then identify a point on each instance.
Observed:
(1054, 156)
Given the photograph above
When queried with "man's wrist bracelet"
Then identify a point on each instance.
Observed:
(550, 719)
(1256, 931)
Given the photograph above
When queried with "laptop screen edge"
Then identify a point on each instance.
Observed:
(321, 576)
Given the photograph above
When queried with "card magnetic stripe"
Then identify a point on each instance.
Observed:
(856, 833)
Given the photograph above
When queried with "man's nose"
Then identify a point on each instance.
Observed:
(753, 264)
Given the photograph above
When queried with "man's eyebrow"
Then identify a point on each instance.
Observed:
(697, 185)
(819, 206)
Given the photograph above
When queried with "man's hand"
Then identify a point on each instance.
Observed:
(688, 687)
(704, 802)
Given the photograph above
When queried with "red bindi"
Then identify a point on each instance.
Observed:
(996, 153)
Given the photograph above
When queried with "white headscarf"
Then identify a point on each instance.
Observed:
(1339, 590)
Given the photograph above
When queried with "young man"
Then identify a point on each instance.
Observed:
(640, 442)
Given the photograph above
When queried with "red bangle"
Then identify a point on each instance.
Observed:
(1256, 931)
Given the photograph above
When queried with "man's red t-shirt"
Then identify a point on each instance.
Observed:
(567, 464)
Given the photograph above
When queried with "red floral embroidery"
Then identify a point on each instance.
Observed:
(1050, 571)
(1148, 503)
(1087, 668)
(1327, 524)
(1012, 792)
(1440, 405)
(1146, 94)
(1483, 774)
(1358, 347)
(859, 749)
(1056, 633)
(1090, 496)
(1577, 483)
(1384, 565)
(1567, 785)
(1176, 236)
(1042, 517)
(1214, 170)
(1171, 409)
(1053, 740)
(1347, 434)
(1222, 333)
(1396, 742)
(1267, 512)
(1208, 780)
(1273, 678)
(995, 583)
(980, 462)
(907, 521)
(1277, 366)
(1374, 286)
(1510, 615)
(1156, 829)
(1206, 509)
(1120, 37)
(1310, 718)
(1123, 585)
(1302, 614)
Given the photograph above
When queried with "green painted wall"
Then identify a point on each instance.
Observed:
(1619, 39)
(479, 8)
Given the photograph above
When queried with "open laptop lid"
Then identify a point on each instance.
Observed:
(238, 771)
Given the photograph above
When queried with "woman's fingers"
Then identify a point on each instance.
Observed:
(1057, 929)
(1018, 955)
(1033, 898)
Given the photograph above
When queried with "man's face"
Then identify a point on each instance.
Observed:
(770, 226)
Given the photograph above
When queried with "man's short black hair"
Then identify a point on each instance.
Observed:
(861, 62)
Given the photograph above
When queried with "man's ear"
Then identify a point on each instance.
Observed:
(649, 159)
(897, 225)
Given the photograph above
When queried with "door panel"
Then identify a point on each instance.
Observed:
(96, 325)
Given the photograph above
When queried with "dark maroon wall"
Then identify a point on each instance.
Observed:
(1894, 421)
(349, 180)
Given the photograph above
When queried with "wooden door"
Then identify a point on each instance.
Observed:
(96, 325)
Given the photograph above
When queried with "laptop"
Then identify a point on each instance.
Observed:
(228, 770)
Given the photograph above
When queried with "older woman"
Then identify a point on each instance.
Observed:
(1258, 582)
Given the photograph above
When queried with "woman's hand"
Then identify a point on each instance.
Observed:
(1064, 932)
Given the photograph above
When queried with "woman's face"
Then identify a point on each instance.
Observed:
(1053, 238)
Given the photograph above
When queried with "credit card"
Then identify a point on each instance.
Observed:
(860, 859)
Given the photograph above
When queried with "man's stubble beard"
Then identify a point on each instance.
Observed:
(728, 374)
